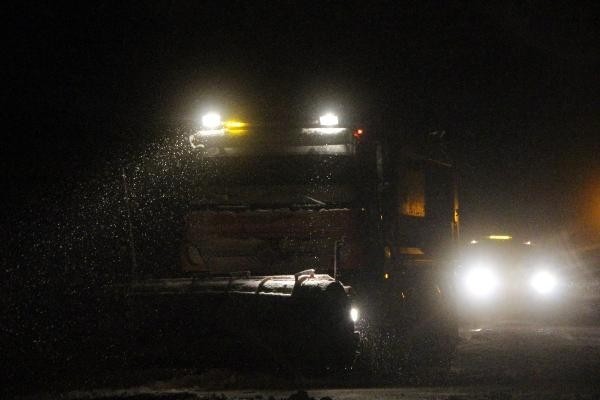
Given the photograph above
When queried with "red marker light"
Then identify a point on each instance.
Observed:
(358, 133)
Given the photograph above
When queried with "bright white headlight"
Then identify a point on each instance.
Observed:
(328, 119)
(354, 314)
(543, 282)
(481, 282)
(211, 120)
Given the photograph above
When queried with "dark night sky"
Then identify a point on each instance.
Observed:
(515, 86)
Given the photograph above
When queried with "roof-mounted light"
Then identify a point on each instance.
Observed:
(211, 125)
(328, 125)
(500, 237)
(211, 120)
(328, 119)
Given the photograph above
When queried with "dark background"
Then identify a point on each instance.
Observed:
(514, 86)
(94, 88)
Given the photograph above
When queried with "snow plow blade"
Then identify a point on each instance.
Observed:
(299, 321)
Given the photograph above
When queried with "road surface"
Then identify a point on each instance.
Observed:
(494, 361)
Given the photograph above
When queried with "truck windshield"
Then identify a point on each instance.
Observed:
(293, 179)
(302, 169)
(501, 250)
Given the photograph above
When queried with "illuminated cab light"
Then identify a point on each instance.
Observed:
(211, 121)
(328, 125)
(328, 119)
(211, 126)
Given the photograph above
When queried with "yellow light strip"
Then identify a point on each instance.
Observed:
(499, 237)
(235, 127)
(233, 124)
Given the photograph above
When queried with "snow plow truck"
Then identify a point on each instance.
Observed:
(280, 217)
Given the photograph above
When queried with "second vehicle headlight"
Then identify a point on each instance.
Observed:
(544, 282)
(481, 282)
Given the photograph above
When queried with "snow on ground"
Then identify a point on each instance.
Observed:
(494, 361)
(490, 392)
(515, 352)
